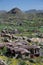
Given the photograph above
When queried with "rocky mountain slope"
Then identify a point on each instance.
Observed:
(20, 19)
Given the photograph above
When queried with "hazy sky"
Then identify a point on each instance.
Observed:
(22, 4)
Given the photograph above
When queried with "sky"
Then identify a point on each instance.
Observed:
(22, 4)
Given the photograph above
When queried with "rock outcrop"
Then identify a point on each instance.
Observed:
(2, 62)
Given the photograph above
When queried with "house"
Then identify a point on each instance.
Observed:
(22, 52)
(41, 51)
(35, 50)
(21, 49)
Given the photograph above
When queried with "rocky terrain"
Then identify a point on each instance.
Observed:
(21, 37)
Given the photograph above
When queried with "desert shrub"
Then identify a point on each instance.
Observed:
(4, 50)
(32, 60)
(22, 63)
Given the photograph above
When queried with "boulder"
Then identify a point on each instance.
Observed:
(2, 62)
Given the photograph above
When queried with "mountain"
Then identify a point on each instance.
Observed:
(2, 11)
(18, 13)
(16, 18)
(34, 11)
(15, 11)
